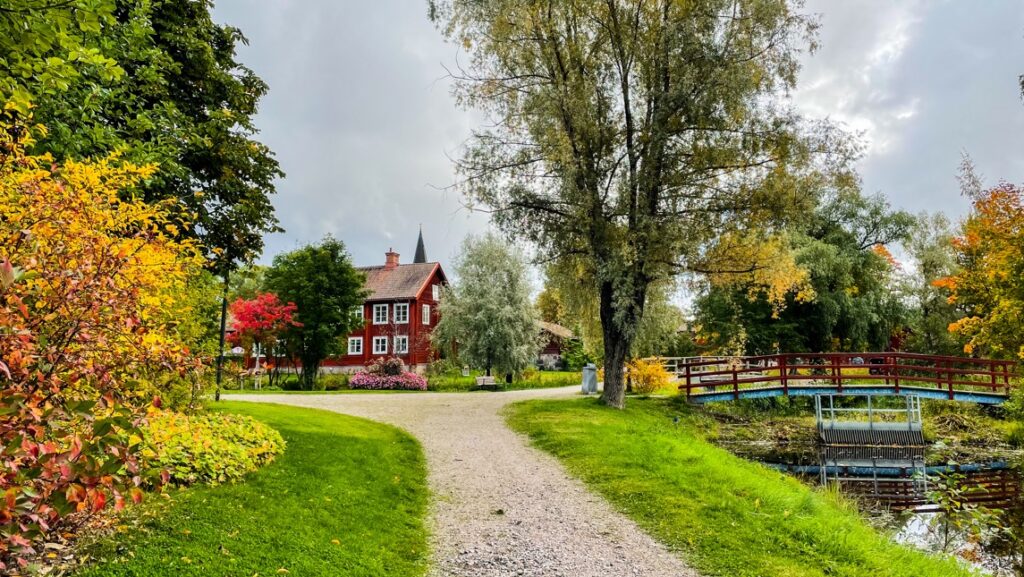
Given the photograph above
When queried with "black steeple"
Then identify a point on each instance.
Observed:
(421, 253)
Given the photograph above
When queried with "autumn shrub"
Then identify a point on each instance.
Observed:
(207, 447)
(648, 375)
(388, 374)
(91, 321)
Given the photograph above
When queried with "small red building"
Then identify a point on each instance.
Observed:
(399, 314)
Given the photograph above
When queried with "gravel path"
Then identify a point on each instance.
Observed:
(501, 507)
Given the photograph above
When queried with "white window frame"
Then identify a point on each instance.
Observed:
(360, 313)
(404, 307)
(404, 349)
(358, 349)
(380, 314)
(380, 350)
(425, 314)
(435, 291)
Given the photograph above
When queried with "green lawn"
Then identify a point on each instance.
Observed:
(728, 517)
(347, 497)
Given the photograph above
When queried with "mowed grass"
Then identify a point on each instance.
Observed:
(346, 498)
(725, 515)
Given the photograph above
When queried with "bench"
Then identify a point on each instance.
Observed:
(486, 383)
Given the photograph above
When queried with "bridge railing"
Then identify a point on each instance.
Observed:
(839, 370)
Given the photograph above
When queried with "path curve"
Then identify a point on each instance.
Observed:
(499, 506)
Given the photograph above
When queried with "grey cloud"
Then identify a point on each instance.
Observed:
(360, 115)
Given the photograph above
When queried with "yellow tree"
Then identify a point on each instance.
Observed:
(90, 308)
(990, 283)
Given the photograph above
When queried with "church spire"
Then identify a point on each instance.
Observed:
(421, 253)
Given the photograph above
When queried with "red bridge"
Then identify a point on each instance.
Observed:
(711, 379)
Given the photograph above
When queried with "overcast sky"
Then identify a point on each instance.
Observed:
(361, 118)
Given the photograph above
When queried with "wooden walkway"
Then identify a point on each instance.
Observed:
(713, 379)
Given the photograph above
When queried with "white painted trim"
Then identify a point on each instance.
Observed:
(376, 318)
(404, 306)
(352, 341)
(401, 350)
(376, 340)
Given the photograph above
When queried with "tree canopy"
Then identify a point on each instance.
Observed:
(850, 302)
(488, 314)
(157, 81)
(326, 290)
(989, 285)
(636, 138)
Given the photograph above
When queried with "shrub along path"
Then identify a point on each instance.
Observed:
(347, 497)
(501, 507)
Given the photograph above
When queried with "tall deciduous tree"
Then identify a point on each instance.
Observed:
(488, 314)
(157, 80)
(931, 313)
(633, 137)
(989, 286)
(326, 289)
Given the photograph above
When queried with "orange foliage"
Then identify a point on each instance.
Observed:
(990, 284)
(89, 282)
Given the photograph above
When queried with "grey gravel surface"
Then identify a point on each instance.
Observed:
(499, 506)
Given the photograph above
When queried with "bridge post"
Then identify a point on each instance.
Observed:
(783, 376)
(735, 383)
(1006, 378)
(837, 380)
(687, 365)
(949, 378)
(895, 371)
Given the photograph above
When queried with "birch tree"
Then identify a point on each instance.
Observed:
(639, 139)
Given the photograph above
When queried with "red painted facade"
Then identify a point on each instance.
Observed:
(398, 316)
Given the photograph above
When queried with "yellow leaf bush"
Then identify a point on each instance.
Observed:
(208, 447)
(648, 376)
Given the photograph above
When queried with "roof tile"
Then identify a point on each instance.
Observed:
(401, 282)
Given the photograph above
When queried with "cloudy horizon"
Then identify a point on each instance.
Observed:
(360, 116)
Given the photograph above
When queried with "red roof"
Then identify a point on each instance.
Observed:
(404, 281)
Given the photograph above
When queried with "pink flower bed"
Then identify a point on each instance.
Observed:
(405, 381)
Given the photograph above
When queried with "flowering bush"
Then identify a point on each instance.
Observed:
(388, 374)
(389, 366)
(207, 448)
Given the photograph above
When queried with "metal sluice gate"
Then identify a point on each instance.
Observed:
(874, 451)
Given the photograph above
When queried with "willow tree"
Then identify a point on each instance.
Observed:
(635, 137)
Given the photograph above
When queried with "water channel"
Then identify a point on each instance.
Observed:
(947, 484)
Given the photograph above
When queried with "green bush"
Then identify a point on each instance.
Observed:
(207, 447)
(334, 382)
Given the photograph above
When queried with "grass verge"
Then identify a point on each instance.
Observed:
(347, 497)
(728, 516)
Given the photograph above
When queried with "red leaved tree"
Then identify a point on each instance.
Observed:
(260, 322)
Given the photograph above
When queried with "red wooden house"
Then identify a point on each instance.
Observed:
(399, 314)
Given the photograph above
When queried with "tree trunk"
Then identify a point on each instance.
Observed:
(615, 349)
(223, 328)
(619, 322)
(310, 367)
